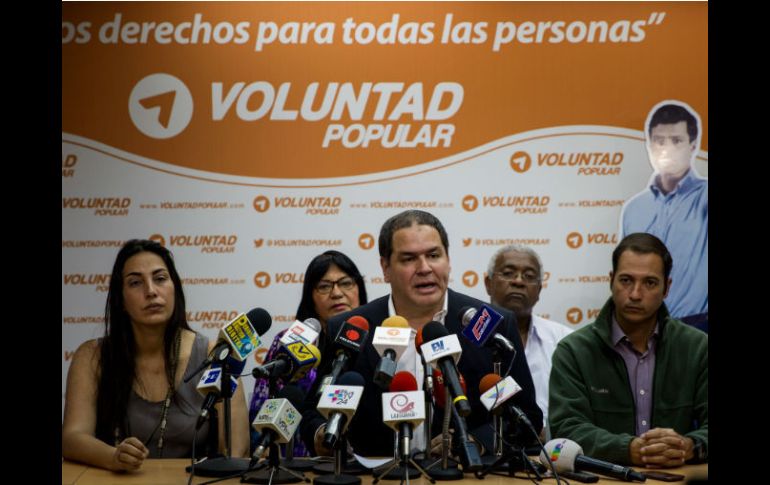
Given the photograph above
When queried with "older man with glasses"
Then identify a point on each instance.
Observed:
(514, 279)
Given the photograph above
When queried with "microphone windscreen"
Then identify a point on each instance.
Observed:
(403, 381)
(313, 323)
(291, 393)
(351, 378)
(488, 381)
(395, 321)
(562, 453)
(439, 392)
(358, 321)
(433, 330)
(260, 320)
(466, 315)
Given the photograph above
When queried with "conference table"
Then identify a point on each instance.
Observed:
(172, 472)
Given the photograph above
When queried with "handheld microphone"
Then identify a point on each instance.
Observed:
(480, 325)
(238, 339)
(339, 403)
(307, 332)
(403, 408)
(390, 340)
(291, 361)
(210, 385)
(349, 340)
(445, 349)
(567, 456)
(277, 420)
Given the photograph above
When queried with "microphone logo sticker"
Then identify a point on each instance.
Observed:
(499, 390)
(352, 335)
(213, 376)
(341, 396)
(437, 346)
(481, 324)
(401, 404)
(556, 451)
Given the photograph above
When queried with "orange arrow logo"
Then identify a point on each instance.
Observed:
(164, 102)
(574, 240)
(520, 162)
(262, 279)
(470, 279)
(158, 239)
(366, 241)
(261, 203)
(470, 203)
(574, 315)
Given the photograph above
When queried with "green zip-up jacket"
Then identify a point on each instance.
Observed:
(590, 398)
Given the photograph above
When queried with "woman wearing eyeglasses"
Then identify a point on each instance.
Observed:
(332, 285)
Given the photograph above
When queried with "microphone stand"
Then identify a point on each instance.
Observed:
(339, 475)
(497, 421)
(426, 462)
(274, 473)
(349, 465)
(446, 471)
(222, 466)
(392, 469)
(292, 463)
(402, 467)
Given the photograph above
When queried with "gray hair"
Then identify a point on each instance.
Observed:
(519, 249)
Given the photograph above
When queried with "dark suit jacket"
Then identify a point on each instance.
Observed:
(366, 433)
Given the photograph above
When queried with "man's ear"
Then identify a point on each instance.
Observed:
(488, 284)
(668, 288)
(385, 265)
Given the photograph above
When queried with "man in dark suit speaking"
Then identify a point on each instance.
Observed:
(414, 257)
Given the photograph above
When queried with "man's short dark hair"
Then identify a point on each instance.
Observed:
(408, 219)
(671, 114)
(643, 243)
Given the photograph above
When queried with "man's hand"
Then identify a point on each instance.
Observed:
(661, 447)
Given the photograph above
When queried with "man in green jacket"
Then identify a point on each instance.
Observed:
(632, 387)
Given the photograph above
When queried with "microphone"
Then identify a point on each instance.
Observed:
(439, 391)
(291, 361)
(210, 385)
(277, 420)
(390, 340)
(349, 340)
(480, 325)
(567, 456)
(307, 332)
(403, 408)
(445, 349)
(339, 403)
(495, 391)
(239, 338)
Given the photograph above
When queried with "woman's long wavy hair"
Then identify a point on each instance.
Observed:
(117, 365)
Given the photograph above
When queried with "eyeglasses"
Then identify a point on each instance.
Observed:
(325, 287)
(527, 277)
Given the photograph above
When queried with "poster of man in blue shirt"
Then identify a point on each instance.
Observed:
(674, 207)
